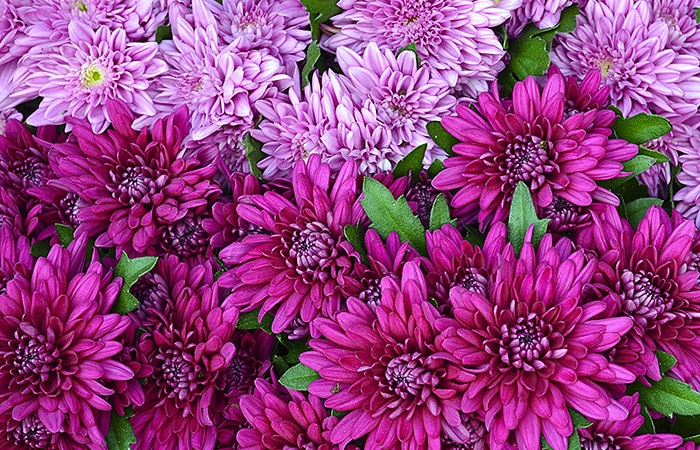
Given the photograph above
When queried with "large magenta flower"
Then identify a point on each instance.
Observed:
(532, 345)
(530, 139)
(300, 264)
(649, 276)
(382, 366)
(138, 186)
(58, 342)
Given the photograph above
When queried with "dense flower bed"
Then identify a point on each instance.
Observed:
(376, 224)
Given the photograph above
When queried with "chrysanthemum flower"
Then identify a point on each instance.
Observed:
(17, 215)
(301, 264)
(533, 346)
(405, 96)
(645, 275)
(622, 434)
(15, 257)
(6, 116)
(281, 418)
(530, 139)
(78, 77)
(188, 351)
(383, 368)
(688, 197)
(542, 13)
(12, 26)
(277, 27)
(683, 27)
(58, 342)
(219, 84)
(620, 40)
(137, 185)
(451, 36)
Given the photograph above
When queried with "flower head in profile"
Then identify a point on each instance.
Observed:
(621, 40)
(451, 36)
(530, 139)
(532, 344)
(77, 78)
(647, 275)
(58, 342)
(542, 13)
(139, 189)
(405, 96)
(187, 350)
(382, 366)
(300, 264)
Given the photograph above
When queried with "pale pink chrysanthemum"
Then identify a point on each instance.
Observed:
(451, 36)
(405, 96)
(77, 78)
(620, 40)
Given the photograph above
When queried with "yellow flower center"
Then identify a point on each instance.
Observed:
(81, 6)
(92, 76)
(605, 65)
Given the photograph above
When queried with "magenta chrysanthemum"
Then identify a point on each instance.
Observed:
(383, 367)
(405, 96)
(621, 40)
(533, 346)
(137, 185)
(188, 350)
(301, 263)
(530, 139)
(77, 78)
(646, 275)
(451, 36)
(58, 342)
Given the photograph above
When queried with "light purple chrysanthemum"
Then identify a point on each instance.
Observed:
(683, 27)
(219, 84)
(77, 78)
(58, 342)
(619, 39)
(405, 96)
(543, 13)
(688, 197)
(383, 367)
(12, 26)
(533, 345)
(451, 36)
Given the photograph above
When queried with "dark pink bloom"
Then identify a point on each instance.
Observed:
(382, 366)
(15, 257)
(138, 187)
(622, 434)
(532, 345)
(282, 419)
(58, 347)
(529, 139)
(649, 276)
(188, 352)
(300, 263)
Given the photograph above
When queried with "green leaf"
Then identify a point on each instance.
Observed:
(697, 14)
(668, 396)
(280, 364)
(313, 52)
(440, 213)
(642, 128)
(389, 214)
(522, 215)
(567, 23)
(658, 156)
(666, 361)
(411, 163)
(319, 12)
(130, 270)
(163, 33)
(299, 377)
(648, 425)
(435, 168)
(41, 248)
(574, 441)
(637, 209)
(638, 164)
(686, 426)
(120, 435)
(249, 321)
(65, 234)
(254, 154)
(412, 48)
(544, 444)
(579, 420)
(441, 137)
(528, 57)
(356, 237)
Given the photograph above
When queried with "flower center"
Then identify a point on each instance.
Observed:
(415, 21)
(372, 296)
(31, 433)
(605, 65)
(526, 160)
(240, 373)
(152, 294)
(32, 171)
(392, 108)
(423, 194)
(312, 247)
(525, 344)
(177, 374)
(565, 215)
(472, 280)
(406, 376)
(186, 238)
(92, 75)
(135, 184)
(69, 206)
(646, 296)
(33, 362)
(600, 442)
